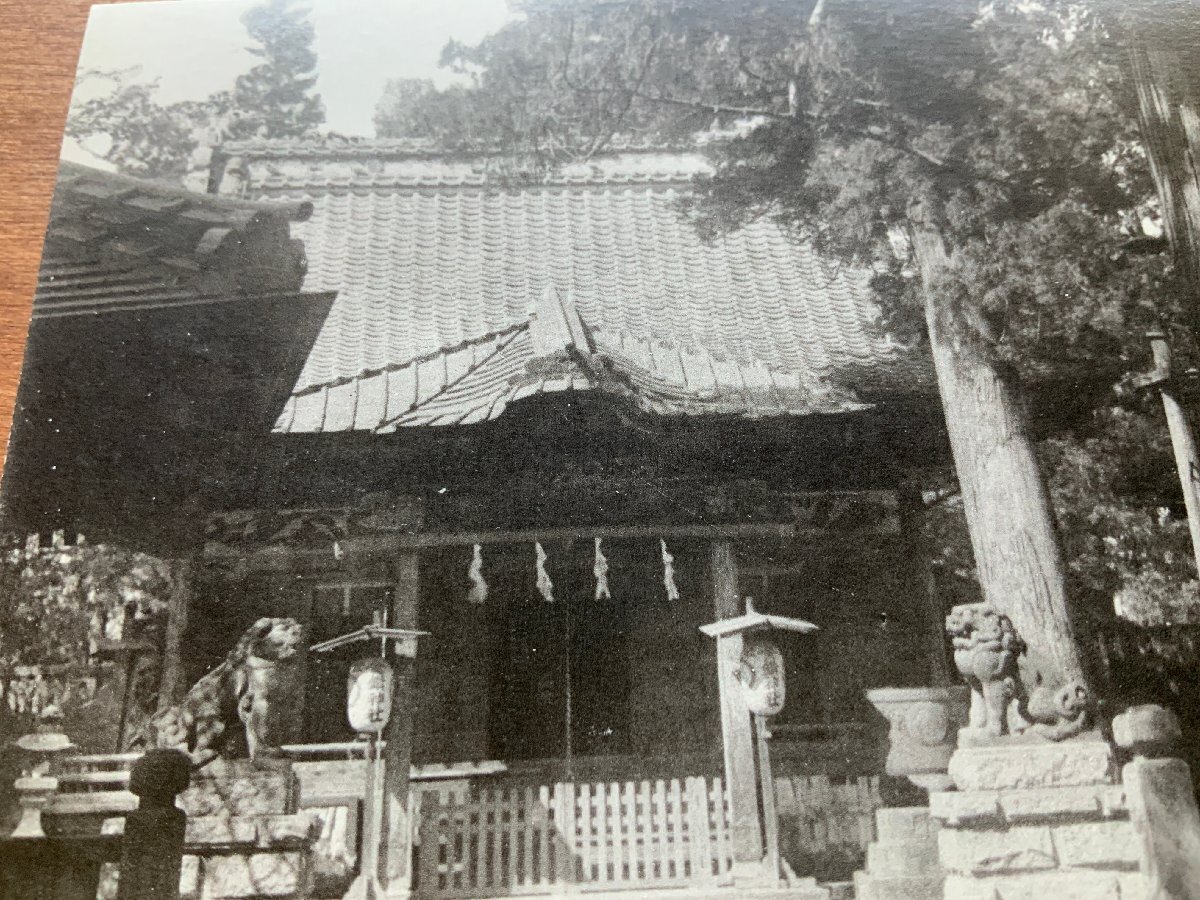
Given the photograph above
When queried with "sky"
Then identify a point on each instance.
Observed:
(197, 47)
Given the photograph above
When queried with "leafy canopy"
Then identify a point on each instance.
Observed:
(1002, 127)
(62, 602)
(274, 99)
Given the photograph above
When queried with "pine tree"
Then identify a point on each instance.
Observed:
(275, 99)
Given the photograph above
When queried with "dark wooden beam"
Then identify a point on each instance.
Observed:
(395, 850)
(315, 558)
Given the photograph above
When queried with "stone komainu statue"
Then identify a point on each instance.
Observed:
(986, 647)
(258, 687)
(986, 651)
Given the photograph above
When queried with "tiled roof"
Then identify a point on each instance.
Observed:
(553, 351)
(438, 264)
(113, 240)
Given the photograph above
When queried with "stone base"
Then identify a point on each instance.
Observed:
(1037, 821)
(239, 876)
(1022, 763)
(1055, 886)
(239, 788)
(902, 864)
(1163, 809)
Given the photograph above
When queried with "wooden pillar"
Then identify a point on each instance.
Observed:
(395, 852)
(170, 685)
(736, 726)
(933, 614)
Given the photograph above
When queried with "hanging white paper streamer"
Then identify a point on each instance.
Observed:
(600, 570)
(479, 588)
(544, 585)
(669, 572)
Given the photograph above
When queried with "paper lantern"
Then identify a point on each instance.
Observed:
(369, 695)
(760, 673)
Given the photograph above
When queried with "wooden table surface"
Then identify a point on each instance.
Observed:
(40, 42)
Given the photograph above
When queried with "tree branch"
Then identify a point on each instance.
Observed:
(817, 16)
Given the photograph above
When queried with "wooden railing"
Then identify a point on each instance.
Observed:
(480, 832)
(94, 785)
(508, 841)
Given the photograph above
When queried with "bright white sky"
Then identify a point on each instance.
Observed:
(196, 47)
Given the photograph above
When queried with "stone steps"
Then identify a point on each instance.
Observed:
(902, 864)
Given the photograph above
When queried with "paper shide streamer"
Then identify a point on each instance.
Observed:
(479, 587)
(544, 585)
(668, 571)
(600, 570)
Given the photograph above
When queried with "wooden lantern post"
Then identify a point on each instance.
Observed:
(374, 689)
(760, 674)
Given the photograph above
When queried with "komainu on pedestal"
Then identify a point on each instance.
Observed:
(241, 707)
(987, 650)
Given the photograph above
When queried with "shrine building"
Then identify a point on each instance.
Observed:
(540, 419)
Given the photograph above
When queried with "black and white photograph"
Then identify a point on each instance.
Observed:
(666, 449)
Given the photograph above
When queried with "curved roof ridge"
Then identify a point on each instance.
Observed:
(322, 165)
(100, 186)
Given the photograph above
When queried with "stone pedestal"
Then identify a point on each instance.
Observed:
(244, 836)
(244, 839)
(902, 864)
(237, 787)
(1162, 802)
(238, 858)
(923, 723)
(34, 792)
(1034, 820)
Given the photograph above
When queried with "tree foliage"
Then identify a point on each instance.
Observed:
(128, 127)
(275, 99)
(1008, 128)
(62, 602)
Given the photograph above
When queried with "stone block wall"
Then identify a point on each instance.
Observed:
(1038, 821)
(244, 838)
(238, 858)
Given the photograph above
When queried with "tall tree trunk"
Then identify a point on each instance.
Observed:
(1169, 115)
(1008, 512)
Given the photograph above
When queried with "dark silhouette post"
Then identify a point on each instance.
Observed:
(152, 850)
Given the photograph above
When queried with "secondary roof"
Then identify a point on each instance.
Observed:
(116, 243)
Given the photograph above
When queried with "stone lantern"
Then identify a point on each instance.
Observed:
(37, 785)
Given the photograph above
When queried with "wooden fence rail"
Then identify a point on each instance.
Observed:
(485, 837)
(565, 837)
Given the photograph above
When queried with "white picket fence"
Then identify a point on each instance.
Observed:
(565, 837)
